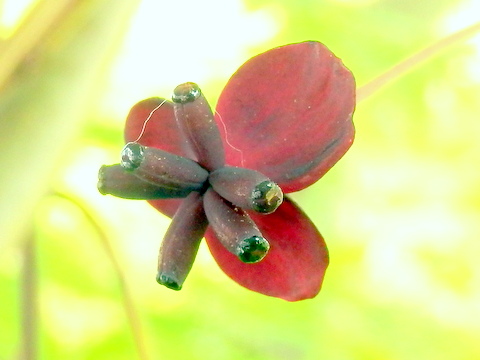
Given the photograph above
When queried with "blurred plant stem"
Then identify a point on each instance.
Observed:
(408, 64)
(54, 64)
(35, 26)
(29, 298)
(127, 297)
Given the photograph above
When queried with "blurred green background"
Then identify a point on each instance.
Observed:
(400, 212)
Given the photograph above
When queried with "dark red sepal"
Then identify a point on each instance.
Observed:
(167, 207)
(288, 114)
(295, 264)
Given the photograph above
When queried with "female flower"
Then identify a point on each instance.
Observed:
(282, 121)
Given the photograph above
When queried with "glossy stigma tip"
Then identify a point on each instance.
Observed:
(167, 281)
(185, 93)
(132, 156)
(253, 249)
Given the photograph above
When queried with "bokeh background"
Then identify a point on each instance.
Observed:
(400, 212)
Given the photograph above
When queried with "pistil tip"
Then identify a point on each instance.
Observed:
(186, 92)
(167, 281)
(266, 197)
(253, 249)
(101, 181)
(132, 156)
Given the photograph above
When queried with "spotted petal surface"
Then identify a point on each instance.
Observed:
(288, 114)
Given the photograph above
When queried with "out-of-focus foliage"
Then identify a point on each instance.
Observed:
(399, 212)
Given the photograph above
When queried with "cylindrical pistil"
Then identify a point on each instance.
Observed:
(114, 180)
(247, 189)
(234, 228)
(196, 122)
(163, 168)
(181, 242)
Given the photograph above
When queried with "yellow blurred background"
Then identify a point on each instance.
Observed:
(400, 212)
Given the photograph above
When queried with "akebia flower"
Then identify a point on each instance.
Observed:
(282, 121)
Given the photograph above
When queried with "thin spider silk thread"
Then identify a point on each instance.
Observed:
(147, 119)
(219, 117)
(226, 138)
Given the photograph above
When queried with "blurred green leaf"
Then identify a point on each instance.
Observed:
(43, 106)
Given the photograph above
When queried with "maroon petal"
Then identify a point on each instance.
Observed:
(295, 264)
(161, 130)
(288, 114)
